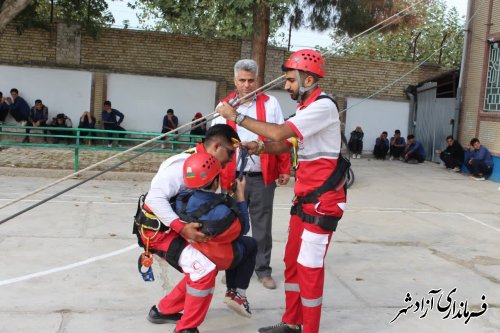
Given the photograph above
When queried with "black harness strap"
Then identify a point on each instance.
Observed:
(211, 227)
(335, 179)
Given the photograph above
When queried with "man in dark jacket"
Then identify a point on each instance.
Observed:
(453, 155)
(110, 121)
(18, 107)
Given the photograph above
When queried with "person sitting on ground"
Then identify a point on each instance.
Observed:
(356, 142)
(201, 173)
(39, 116)
(4, 109)
(381, 146)
(61, 121)
(87, 120)
(414, 152)
(18, 107)
(398, 144)
(111, 120)
(479, 161)
(170, 122)
(201, 129)
(453, 155)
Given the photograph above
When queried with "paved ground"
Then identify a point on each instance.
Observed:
(70, 265)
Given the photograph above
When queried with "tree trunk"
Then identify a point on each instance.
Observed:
(261, 19)
(9, 10)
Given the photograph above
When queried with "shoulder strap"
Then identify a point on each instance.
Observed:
(342, 134)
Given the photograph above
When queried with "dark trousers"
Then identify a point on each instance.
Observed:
(18, 115)
(356, 146)
(29, 123)
(396, 152)
(449, 161)
(380, 152)
(240, 275)
(114, 127)
(260, 200)
(415, 156)
(478, 168)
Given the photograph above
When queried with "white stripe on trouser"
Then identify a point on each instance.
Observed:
(292, 287)
(311, 303)
(199, 293)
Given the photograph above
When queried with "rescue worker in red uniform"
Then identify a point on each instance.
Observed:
(172, 239)
(319, 188)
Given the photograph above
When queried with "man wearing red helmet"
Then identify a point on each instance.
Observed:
(226, 220)
(169, 237)
(320, 195)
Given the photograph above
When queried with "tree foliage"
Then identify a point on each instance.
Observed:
(414, 43)
(209, 18)
(91, 15)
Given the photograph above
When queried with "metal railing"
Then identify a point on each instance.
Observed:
(92, 139)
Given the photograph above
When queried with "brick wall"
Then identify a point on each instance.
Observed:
(474, 122)
(163, 54)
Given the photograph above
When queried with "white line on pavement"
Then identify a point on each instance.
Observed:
(63, 268)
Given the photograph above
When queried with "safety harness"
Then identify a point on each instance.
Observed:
(333, 183)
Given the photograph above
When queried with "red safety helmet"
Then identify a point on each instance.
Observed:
(200, 169)
(306, 60)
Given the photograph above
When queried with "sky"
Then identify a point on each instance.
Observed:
(302, 38)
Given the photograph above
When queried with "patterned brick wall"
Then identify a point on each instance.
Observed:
(474, 122)
(163, 54)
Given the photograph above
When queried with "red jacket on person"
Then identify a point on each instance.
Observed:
(272, 165)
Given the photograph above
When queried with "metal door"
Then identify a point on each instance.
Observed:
(434, 120)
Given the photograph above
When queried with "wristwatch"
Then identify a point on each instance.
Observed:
(239, 118)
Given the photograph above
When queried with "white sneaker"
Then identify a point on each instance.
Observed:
(456, 169)
(479, 178)
(359, 156)
(110, 145)
(163, 146)
(119, 146)
(23, 123)
(391, 158)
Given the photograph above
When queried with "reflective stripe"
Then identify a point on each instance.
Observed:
(318, 155)
(311, 302)
(292, 287)
(199, 293)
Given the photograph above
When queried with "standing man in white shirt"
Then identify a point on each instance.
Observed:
(320, 198)
(262, 171)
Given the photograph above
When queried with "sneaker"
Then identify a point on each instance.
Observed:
(280, 328)
(120, 146)
(456, 169)
(268, 282)
(155, 317)
(479, 178)
(240, 305)
(163, 146)
(26, 140)
(187, 330)
(23, 123)
(359, 156)
(230, 293)
(401, 159)
(110, 145)
(391, 158)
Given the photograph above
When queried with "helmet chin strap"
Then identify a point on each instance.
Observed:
(303, 90)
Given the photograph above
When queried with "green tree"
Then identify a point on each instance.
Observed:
(259, 19)
(438, 26)
(91, 15)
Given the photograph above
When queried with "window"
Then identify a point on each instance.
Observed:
(492, 95)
